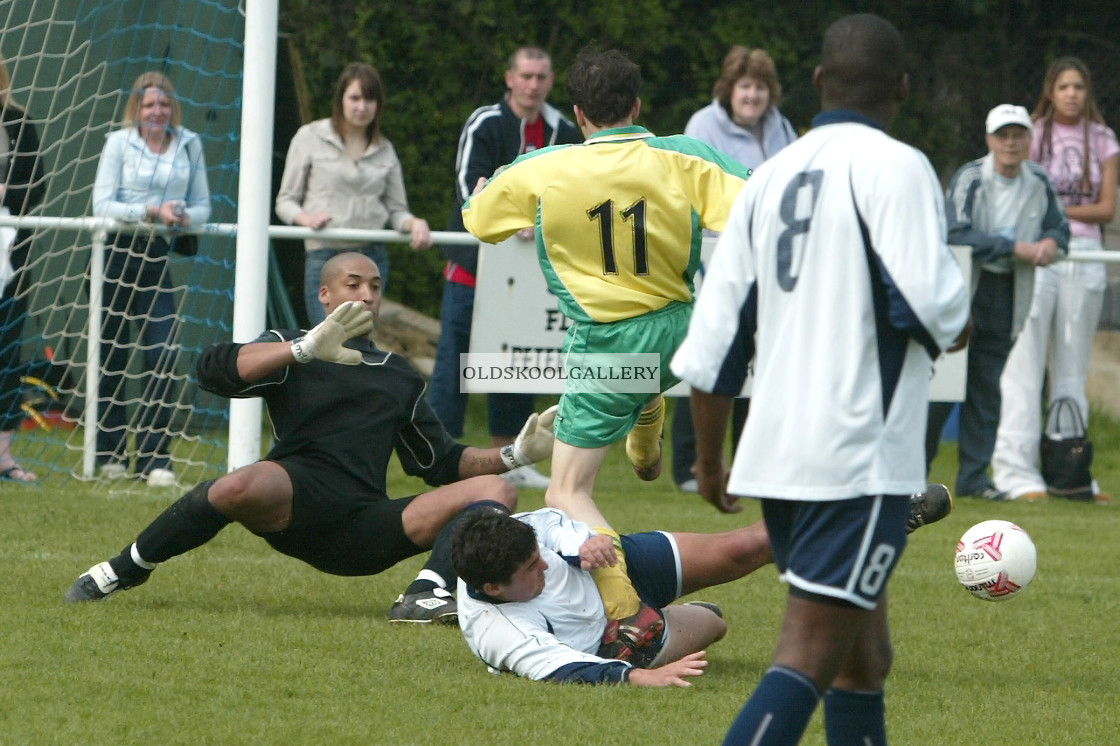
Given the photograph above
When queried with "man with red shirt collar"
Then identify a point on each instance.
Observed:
(491, 138)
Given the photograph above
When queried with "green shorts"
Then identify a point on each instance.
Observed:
(595, 419)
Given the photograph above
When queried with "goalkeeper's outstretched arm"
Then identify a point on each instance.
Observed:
(230, 369)
(533, 444)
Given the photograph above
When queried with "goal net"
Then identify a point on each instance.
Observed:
(72, 65)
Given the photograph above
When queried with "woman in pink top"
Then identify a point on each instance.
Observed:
(1079, 152)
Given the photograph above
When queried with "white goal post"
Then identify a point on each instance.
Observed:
(254, 207)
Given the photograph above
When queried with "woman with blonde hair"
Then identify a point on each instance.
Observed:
(342, 172)
(22, 188)
(1080, 154)
(151, 171)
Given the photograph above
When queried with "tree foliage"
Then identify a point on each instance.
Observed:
(441, 59)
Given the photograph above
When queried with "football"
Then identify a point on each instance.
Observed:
(996, 560)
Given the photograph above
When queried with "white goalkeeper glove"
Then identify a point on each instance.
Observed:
(533, 443)
(324, 342)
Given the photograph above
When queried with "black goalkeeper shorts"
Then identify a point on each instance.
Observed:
(339, 526)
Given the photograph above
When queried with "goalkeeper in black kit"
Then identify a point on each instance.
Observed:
(339, 408)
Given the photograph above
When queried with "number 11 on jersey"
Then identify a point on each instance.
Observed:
(635, 214)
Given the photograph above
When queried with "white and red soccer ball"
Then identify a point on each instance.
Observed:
(995, 560)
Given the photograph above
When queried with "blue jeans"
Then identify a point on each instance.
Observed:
(988, 348)
(137, 291)
(506, 413)
(683, 436)
(13, 314)
(313, 269)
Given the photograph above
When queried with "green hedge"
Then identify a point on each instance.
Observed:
(440, 59)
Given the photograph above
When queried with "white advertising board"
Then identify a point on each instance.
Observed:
(517, 319)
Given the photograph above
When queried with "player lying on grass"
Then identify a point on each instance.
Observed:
(618, 224)
(339, 407)
(528, 603)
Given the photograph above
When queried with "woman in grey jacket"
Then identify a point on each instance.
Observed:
(742, 121)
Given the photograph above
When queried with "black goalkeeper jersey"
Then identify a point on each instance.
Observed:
(351, 417)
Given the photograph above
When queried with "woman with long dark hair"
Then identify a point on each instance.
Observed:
(1079, 153)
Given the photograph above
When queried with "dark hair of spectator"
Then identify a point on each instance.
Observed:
(370, 83)
(1044, 111)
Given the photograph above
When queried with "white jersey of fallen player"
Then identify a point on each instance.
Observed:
(563, 625)
(835, 278)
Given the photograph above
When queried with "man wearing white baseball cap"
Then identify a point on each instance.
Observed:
(1005, 209)
(1006, 114)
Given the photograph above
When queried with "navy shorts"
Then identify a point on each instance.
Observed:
(843, 550)
(339, 526)
(653, 563)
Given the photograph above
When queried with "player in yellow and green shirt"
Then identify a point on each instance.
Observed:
(618, 222)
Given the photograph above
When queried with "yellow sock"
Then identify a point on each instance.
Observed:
(657, 414)
(643, 443)
(620, 600)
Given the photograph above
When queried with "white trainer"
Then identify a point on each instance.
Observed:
(527, 476)
(161, 478)
(114, 470)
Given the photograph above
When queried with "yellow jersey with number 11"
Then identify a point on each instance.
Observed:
(618, 218)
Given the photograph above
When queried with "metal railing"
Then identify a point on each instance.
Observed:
(100, 228)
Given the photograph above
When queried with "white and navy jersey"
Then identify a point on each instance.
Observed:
(560, 629)
(835, 279)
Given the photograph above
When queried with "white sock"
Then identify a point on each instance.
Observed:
(434, 577)
(140, 560)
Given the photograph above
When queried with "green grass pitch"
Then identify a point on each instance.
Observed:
(237, 644)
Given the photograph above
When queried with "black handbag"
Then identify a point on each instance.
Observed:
(1066, 452)
(184, 244)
